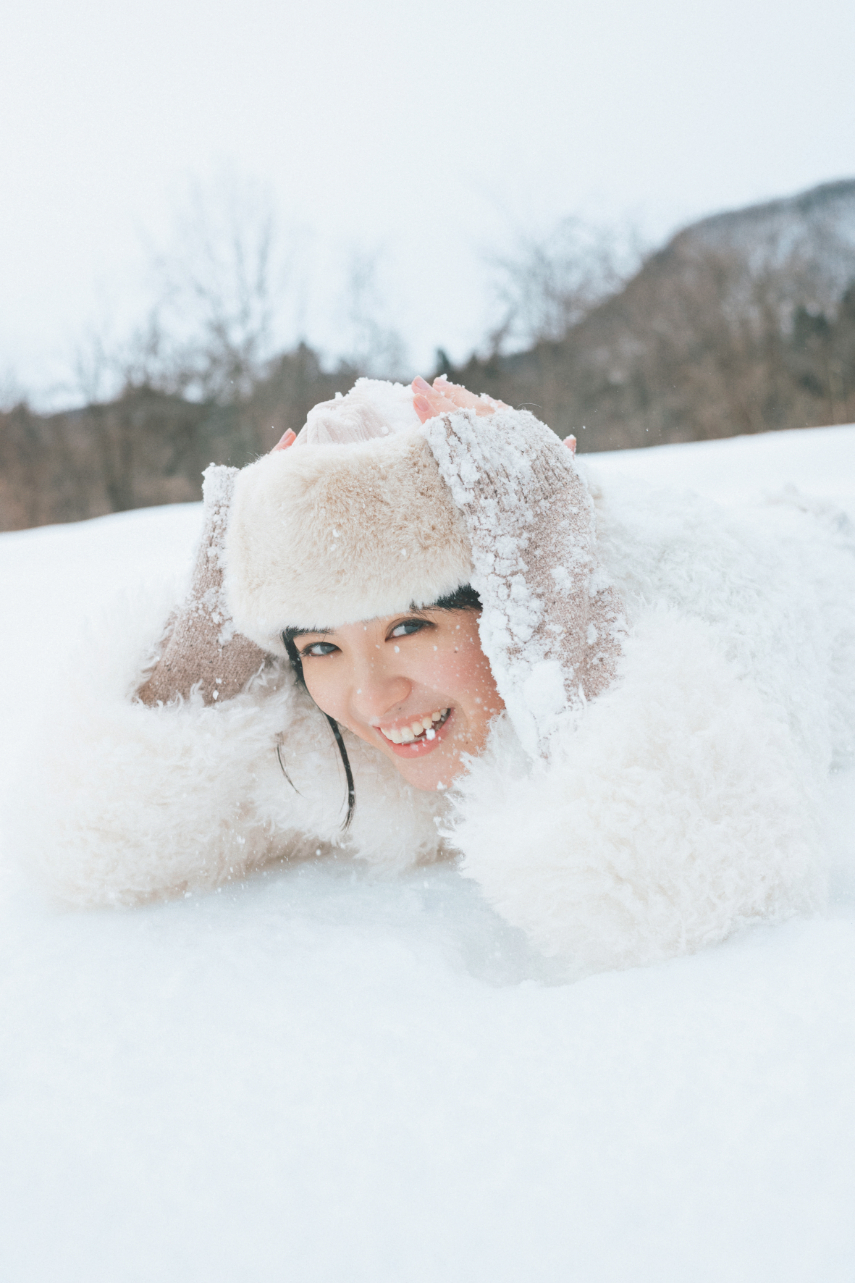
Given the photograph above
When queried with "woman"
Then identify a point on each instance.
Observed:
(619, 710)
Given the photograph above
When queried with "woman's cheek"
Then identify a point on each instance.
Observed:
(322, 689)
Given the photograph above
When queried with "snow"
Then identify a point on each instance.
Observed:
(320, 1074)
(818, 461)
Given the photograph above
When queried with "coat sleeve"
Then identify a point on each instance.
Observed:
(124, 793)
(680, 810)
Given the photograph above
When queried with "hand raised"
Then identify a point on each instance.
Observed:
(445, 398)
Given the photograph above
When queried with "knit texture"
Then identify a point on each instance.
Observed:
(552, 622)
(201, 644)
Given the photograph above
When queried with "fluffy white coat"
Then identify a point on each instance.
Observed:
(685, 802)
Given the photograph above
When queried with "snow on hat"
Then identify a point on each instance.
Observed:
(372, 408)
(352, 522)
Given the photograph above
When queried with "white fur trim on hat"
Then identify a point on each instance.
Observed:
(372, 408)
(327, 535)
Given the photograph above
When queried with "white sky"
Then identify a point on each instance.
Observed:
(431, 134)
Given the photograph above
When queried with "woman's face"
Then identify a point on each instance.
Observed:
(417, 686)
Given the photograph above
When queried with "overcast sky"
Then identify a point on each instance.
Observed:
(430, 135)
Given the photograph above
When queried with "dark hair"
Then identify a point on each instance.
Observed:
(463, 598)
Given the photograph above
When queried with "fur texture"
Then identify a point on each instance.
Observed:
(687, 801)
(131, 803)
(683, 802)
(330, 534)
(675, 814)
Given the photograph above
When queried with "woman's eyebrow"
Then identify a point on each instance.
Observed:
(310, 632)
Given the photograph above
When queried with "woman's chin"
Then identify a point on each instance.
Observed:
(430, 774)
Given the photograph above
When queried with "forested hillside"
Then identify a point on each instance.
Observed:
(743, 322)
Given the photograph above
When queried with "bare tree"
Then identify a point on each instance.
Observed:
(218, 286)
(12, 392)
(97, 366)
(732, 327)
(547, 285)
(376, 348)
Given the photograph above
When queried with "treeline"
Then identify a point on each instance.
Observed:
(150, 445)
(703, 342)
(743, 323)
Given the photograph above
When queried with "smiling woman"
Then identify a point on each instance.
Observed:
(617, 710)
(418, 688)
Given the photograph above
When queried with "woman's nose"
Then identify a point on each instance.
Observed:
(376, 693)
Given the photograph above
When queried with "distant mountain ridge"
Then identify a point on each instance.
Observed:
(830, 207)
(818, 224)
(741, 322)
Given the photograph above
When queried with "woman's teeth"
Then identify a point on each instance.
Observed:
(426, 726)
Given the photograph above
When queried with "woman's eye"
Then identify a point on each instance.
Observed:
(408, 627)
(316, 649)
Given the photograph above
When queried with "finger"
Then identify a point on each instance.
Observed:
(288, 438)
(421, 405)
(462, 397)
(429, 405)
(425, 399)
(445, 390)
(570, 443)
(465, 399)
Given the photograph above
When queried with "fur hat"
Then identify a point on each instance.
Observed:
(353, 521)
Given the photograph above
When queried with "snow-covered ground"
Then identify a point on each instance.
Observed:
(322, 1075)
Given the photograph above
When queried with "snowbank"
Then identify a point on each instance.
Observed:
(322, 1075)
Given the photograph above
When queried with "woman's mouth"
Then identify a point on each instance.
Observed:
(420, 735)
